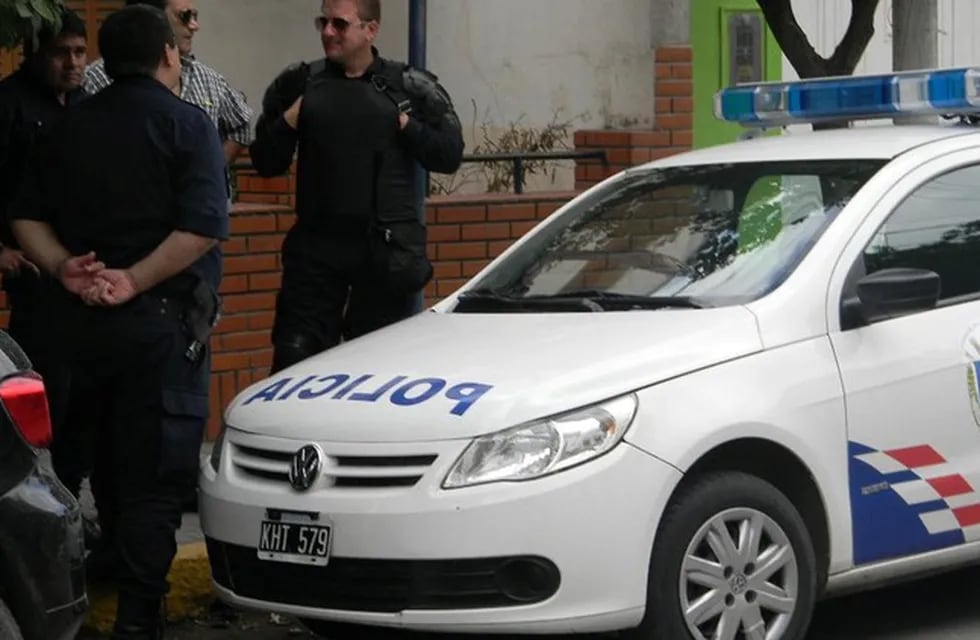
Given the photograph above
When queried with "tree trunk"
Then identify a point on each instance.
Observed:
(801, 54)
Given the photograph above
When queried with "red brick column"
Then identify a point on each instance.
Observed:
(673, 123)
(241, 345)
(674, 94)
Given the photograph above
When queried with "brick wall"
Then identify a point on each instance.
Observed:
(466, 232)
(673, 123)
(632, 237)
(674, 94)
(240, 345)
(252, 189)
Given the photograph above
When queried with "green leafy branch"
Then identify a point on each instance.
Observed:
(17, 15)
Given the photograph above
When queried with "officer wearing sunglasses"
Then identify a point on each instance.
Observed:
(356, 257)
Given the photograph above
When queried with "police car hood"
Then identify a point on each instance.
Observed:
(442, 376)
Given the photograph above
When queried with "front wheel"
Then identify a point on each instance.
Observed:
(733, 560)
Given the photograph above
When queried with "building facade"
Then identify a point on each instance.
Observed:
(527, 63)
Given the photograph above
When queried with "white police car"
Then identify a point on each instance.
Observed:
(698, 398)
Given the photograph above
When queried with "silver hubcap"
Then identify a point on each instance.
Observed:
(739, 578)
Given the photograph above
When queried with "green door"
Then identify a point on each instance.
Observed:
(731, 44)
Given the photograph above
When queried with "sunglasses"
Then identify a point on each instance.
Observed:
(340, 25)
(187, 15)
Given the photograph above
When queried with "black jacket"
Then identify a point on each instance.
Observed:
(28, 111)
(352, 158)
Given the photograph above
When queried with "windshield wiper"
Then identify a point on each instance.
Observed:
(607, 299)
(488, 293)
(495, 298)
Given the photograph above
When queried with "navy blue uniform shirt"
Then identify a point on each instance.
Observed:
(28, 110)
(123, 170)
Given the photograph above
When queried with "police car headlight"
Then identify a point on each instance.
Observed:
(544, 446)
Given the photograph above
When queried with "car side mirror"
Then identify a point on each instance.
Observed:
(891, 293)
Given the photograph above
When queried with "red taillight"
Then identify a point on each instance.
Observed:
(27, 405)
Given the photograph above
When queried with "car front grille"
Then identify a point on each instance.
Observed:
(271, 463)
(353, 584)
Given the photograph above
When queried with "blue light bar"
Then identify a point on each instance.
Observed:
(775, 104)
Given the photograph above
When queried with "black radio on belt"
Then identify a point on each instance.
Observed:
(200, 318)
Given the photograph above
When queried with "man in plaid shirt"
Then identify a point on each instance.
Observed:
(199, 84)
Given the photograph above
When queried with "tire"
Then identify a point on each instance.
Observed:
(9, 630)
(729, 600)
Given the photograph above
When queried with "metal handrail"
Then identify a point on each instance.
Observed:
(517, 157)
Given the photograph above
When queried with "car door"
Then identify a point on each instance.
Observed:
(910, 381)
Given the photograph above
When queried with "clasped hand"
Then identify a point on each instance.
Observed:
(96, 285)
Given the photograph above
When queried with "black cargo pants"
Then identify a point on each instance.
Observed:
(148, 405)
(329, 293)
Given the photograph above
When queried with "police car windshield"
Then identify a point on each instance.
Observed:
(719, 234)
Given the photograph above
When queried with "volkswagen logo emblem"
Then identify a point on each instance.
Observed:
(305, 467)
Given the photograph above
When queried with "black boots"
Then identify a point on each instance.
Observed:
(139, 619)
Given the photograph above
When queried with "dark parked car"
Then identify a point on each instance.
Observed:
(42, 577)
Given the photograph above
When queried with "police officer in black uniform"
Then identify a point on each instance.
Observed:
(32, 101)
(132, 234)
(355, 259)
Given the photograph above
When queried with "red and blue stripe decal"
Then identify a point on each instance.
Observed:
(907, 501)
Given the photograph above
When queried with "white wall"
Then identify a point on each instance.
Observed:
(503, 61)
(251, 41)
(958, 25)
(532, 62)
(515, 60)
(533, 58)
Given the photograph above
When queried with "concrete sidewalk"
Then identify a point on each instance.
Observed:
(190, 574)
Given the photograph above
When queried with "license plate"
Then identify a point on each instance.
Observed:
(295, 542)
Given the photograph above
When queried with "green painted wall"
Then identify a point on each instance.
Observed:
(711, 44)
